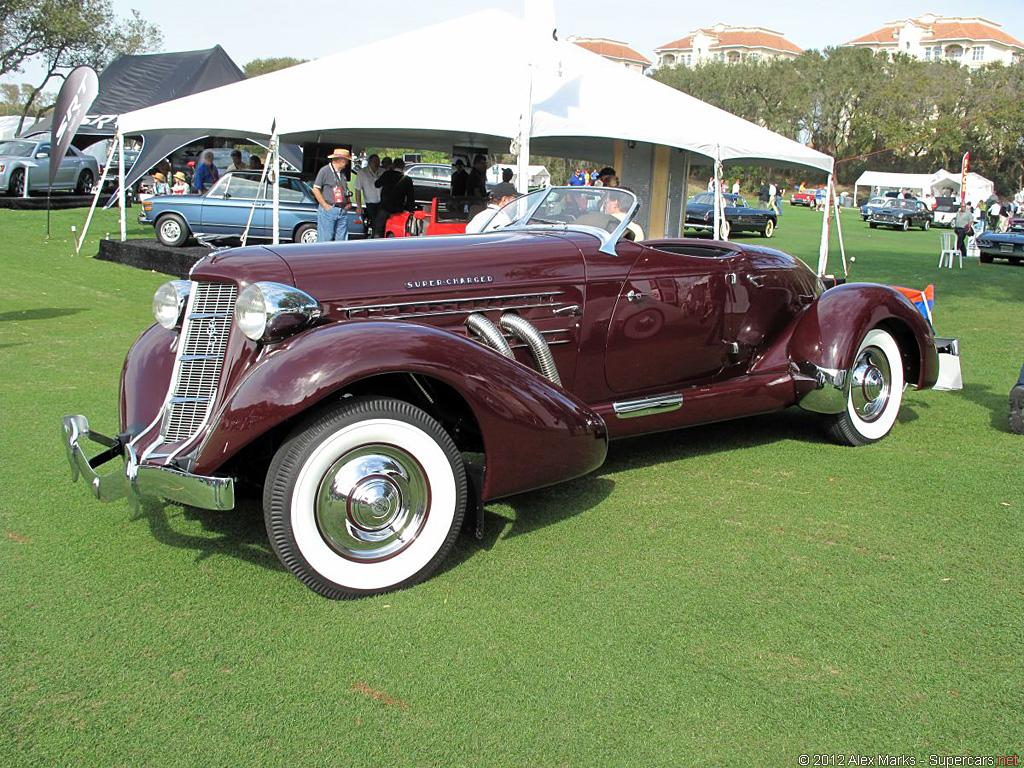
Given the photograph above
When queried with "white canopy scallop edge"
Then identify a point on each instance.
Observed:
(577, 99)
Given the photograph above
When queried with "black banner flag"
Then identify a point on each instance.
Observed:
(75, 97)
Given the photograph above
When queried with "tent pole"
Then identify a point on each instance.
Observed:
(839, 227)
(823, 247)
(277, 189)
(685, 189)
(719, 202)
(120, 184)
(262, 192)
(96, 194)
(525, 128)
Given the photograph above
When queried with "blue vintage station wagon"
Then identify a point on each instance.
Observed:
(224, 210)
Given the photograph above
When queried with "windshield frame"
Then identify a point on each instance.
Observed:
(608, 239)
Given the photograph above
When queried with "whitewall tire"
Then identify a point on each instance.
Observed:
(875, 392)
(367, 498)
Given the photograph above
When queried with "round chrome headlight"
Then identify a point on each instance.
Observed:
(169, 302)
(272, 311)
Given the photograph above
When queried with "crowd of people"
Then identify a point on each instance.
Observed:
(605, 177)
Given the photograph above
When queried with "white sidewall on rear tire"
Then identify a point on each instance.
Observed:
(436, 527)
(879, 428)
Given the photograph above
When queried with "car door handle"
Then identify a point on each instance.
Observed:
(756, 280)
(570, 311)
(634, 296)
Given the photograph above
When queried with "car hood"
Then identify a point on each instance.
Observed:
(1002, 237)
(416, 269)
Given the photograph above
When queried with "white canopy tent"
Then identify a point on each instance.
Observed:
(939, 184)
(558, 99)
(571, 91)
(947, 184)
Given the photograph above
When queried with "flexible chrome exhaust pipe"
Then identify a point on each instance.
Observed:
(524, 331)
(489, 334)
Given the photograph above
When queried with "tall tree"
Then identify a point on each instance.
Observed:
(61, 35)
(258, 67)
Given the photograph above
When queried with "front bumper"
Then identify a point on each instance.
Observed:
(140, 479)
(831, 387)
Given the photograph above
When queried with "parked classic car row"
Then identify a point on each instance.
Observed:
(379, 391)
(225, 209)
(22, 159)
(901, 214)
(739, 217)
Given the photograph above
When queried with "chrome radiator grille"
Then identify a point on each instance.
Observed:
(197, 373)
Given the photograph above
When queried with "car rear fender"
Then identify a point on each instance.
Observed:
(534, 432)
(823, 339)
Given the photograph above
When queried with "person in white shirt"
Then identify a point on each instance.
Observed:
(736, 187)
(367, 193)
(773, 197)
(492, 217)
(613, 207)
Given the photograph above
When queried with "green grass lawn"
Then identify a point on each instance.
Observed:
(742, 592)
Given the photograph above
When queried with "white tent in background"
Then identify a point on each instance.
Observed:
(883, 181)
(939, 184)
(552, 98)
(947, 184)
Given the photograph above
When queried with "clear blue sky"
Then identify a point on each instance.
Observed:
(248, 30)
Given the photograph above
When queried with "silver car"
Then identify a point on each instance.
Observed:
(21, 158)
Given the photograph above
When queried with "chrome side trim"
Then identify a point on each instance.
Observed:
(459, 300)
(831, 387)
(648, 406)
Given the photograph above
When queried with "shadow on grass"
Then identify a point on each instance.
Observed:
(537, 509)
(996, 403)
(43, 313)
(239, 533)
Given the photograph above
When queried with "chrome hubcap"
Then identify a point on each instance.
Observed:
(871, 384)
(372, 502)
(171, 230)
(309, 236)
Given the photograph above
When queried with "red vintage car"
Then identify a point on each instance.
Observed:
(377, 390)
(807, 197)
(430, 223)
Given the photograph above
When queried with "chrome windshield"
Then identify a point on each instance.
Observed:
(603, 212)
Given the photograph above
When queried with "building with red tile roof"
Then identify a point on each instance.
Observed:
(613, 50)
(972, 41)
(728, 44)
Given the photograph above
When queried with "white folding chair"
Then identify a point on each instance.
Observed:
(949, 250)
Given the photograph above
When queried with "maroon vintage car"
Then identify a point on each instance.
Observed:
(376, 390)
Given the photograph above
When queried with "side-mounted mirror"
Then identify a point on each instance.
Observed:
(42, 155)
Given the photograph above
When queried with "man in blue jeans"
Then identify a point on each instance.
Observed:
(331, 192)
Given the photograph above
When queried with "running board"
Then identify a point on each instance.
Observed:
(648, 406)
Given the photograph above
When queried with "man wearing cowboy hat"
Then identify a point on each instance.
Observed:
(331, 192)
